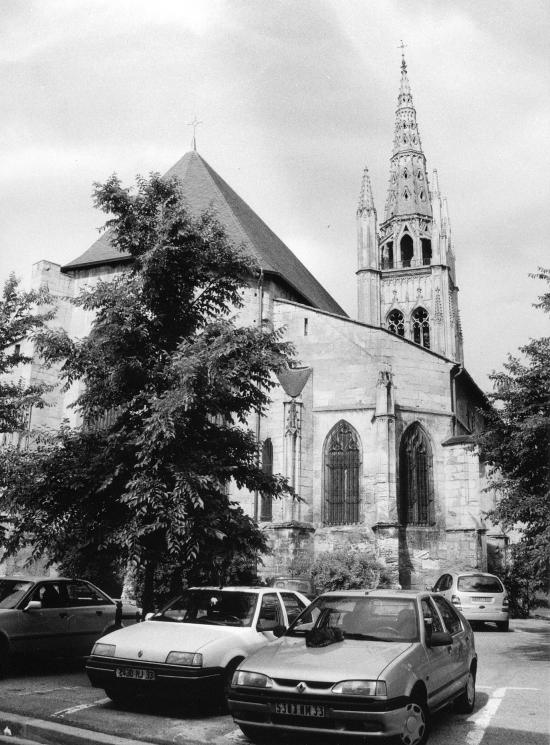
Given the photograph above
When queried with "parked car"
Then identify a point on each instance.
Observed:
(194, 643)
(359, 662)
(479, 596)
(55, 616)
(300, 584)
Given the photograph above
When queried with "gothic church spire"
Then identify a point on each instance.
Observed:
(408, 190)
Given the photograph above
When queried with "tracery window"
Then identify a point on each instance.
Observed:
(396, 323)
(421, 327)
(415, 478)
(266, 502)
(341, 465)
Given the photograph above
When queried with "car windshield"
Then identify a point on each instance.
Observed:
(11, 592)
(365, 618)
(479, 583)
(218, 607)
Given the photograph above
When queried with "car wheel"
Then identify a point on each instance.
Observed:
(466, 701)
(503, 625)
(120, 698)
(4, 660)
(254, 734)
(416, 723)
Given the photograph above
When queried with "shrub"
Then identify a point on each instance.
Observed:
(347, 569)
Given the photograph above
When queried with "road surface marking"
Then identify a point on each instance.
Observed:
(80, 707)
(483, 717)
(42, 691)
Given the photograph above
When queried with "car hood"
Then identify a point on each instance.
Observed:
(156, 638)
(290, 658)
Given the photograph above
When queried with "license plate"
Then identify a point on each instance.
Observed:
(136, 673)
(299, 710)
(482, 600)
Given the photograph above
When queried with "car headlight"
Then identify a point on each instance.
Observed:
(253, 680)
(105, 650)
(189, 659)
(360, 688)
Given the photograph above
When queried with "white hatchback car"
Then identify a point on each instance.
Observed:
(193, 644)
(477, 595)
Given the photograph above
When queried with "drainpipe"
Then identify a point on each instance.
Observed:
(258, 415)
(454, 376)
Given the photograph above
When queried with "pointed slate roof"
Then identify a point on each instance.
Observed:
(408, 191)
(204, 189)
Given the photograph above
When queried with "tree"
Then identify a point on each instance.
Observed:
(516, 444)
(169, 381)
(21, 313)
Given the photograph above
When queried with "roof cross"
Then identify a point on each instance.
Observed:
(195, 123)
(402, 47)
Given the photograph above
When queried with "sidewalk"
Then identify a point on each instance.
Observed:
(28, 731)
(541, 613)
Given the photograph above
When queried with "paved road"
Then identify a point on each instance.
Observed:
(512, 707)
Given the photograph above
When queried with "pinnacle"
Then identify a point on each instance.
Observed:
(366, 201)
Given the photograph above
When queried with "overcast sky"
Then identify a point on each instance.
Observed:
(296, 97)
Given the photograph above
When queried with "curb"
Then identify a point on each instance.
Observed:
(30, 730)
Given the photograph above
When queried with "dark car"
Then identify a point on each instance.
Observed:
(57, 617)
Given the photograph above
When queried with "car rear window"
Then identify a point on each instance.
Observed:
(215, 607)
(479, 583)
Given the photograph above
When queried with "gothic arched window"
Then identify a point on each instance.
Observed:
(387, 255)
(396, 323)
(407, 250)
(341, 462)
(415, 478)
(426, 251)
(421, 327)
(266, 503)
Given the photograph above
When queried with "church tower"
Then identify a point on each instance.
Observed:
(406, 272)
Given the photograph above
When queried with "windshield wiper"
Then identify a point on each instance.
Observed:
(368, 637)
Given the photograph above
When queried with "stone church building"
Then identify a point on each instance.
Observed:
(374, 428)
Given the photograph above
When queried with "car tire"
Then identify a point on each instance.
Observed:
(503, 625)
(4, 659)
(121, 699)
(254, 734)
(466, 701)
(416, 723)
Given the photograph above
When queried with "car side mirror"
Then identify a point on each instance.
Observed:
(33, 605)
(279, 630)
(440, 639)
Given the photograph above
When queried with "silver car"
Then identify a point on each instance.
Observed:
(358, 663)
(58, 617)
(479, 596)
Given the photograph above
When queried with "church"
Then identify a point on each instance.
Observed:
(373, 429)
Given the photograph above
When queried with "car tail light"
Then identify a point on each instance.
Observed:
(505, 603)
(455, 600)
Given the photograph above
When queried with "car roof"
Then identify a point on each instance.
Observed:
(471, 573)
(33, 578)
(232, 588)
(401, 594)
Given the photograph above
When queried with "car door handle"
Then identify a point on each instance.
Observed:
(99, 612)
(63, 615)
